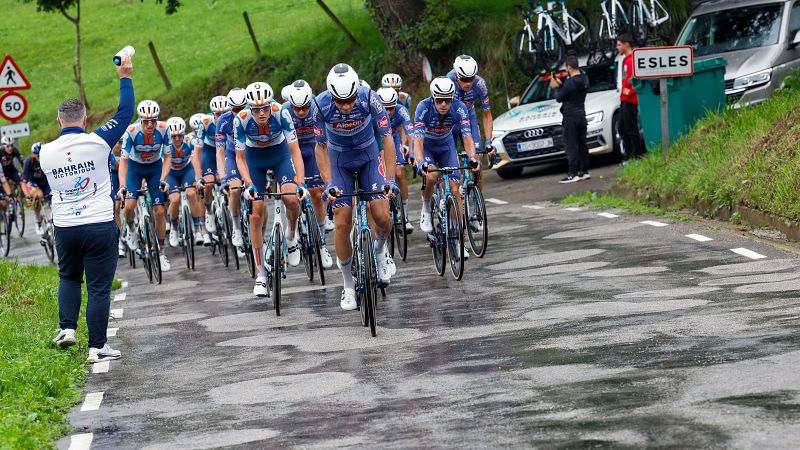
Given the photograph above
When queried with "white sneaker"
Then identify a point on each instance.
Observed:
(348, 302)
(164, 263)
(39, 229)
(327, 261)
(409, 228)
(260, 289)
(390, 260)
(65, 338)
(383, 267)
(239, 252)
(173, 238)
(294, 252)
(211, 226)
(169, 226)
(466, 252)
(206, 239)
(121, 249)
(132, 239)
(329, 225)
(106, 353)
(236, 237)
(425, 223)
(198, 238)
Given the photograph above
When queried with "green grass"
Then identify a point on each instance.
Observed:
(748, 157)
(609, 201)
(38, 383)
(116, 284)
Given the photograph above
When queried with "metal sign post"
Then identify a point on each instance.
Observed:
(662, 83)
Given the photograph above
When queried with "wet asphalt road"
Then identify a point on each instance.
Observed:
(576, 330)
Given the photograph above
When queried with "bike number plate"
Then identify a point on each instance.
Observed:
(534, 145)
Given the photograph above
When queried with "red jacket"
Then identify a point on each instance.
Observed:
(627, 73)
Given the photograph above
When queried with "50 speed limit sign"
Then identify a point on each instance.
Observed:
(13, 106)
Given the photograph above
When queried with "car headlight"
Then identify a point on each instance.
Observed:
(595, 118)
(754, 79)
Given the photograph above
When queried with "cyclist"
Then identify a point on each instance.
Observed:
(266, 140)
(402, 127)
(4, 192)
(226, 159)
(141, 160)
(34, 184)
(300, 106)
(472, 89)
(184, 170)
(218, 105)
(113, 166)
(436, 119)
(343, 122)
(394, 81)
(7, 157)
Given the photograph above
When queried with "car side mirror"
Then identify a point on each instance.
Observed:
(795, 41)
(513, 102)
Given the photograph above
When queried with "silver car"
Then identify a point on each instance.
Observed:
(758, 38)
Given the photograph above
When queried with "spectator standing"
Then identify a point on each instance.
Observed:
(76, 166)
(629, 102)
(571, 93)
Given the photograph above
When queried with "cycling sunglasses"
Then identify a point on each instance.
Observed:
(390, 108)
(466, 79)
(301, 108)
(347, 101)
(260, 109)
(149, 121)
(443, 101)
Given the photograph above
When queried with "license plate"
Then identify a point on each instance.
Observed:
(534, 145)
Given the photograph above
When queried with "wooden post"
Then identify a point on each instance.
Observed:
(159, 66)
(252, 34)
(337, 21)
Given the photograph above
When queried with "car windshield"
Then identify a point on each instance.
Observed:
(601, 78)
(733, 29)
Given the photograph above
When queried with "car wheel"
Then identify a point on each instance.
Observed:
(508, 173)
(618, 144)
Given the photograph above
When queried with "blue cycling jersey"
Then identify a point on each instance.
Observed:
(303, 127)
(354, 130)
(209, 130)
(478, 94)
(401, 120)
(181, 157)
(224, 133)
(142, 148)
(249, 134)
(428, 123)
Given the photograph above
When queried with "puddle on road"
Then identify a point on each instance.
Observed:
(286, 388)
(545, 259)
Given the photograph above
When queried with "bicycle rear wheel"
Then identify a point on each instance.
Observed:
(227, 219)
(277, 268)
(455, 238)
(476, 221)
(19, 221)
(316, 240)
(188, 238)
(369, 273)
(551, 49)
(306, 247)
(144, 248)
(439, 244)
(400, 229)
(5, 234)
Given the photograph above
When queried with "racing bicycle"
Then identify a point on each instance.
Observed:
(475, 220)
(48, 239)
(311, 239)
(145, 229)
(649, 18)
(447, 238)
(557, 30)
(186, 227)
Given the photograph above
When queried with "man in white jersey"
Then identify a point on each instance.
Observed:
(76, 166)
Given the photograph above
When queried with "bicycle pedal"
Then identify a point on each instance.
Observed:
(381, 284)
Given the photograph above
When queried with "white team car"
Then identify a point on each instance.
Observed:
(530, 133)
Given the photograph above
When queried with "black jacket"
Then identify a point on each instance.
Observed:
(572, 95)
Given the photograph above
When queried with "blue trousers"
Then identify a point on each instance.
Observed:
(89, 249)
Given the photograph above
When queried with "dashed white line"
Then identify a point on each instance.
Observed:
(124, 284)
(80, 441)
(699, 237)
(748, 253)
(533, 206)
(115, 313)
(607, 215)
(120, 297)
(573, 209)
(496, 201)
(111, 332)
(92, 401)
(101, 367)
(653, 223)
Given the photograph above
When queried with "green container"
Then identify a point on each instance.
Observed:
(690, 99)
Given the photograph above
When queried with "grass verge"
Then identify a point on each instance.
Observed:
(38, 383)
(609, 201)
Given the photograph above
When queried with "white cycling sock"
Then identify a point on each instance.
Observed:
(380, 246)
(237, 223)
(426, 205)
(347, 272)
(405, 205)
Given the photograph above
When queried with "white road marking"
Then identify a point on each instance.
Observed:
(496, 201)
(533, 206)
(654, 223)
(748, 253)
(80, 441)
(699, 237)
(92, 401)
(573, 209)
(124, 284)
(101, 367)
(121, 296)
(607, 215)
(111, 332)
(115, 314)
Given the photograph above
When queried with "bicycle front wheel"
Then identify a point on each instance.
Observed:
(439, 244)
(314, 235)
(455, 238)
(277, 269)
(5, 234)
(476, 221)
(306, 247)
(550, 49)
(19, 221)
(370, 280)
(155, 260)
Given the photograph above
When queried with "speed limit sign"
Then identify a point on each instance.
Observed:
(13, 106)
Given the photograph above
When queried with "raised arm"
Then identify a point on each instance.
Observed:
(114, 128)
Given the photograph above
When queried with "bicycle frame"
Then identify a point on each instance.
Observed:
(609, 18)
(278, 218)
(656, 14)
(564, 31)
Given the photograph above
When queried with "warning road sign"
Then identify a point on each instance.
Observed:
(13, 106)
(11, 78)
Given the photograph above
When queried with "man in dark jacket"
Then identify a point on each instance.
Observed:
(571, 93)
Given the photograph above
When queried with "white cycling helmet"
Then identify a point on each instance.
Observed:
(176, 125)
(219, 104)
(236, 98)
(196, 121)
(343, 81)
(392, 80)
(299, 93)
(365, 84)
(465, 66)
(285, 92)
(388, 97)
(443, 87)
(258, 93)
(148, 109)
(8, 140)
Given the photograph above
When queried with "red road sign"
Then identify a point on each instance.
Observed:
(11, 78)
(13, 106)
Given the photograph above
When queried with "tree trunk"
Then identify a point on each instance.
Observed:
(77, 66)
(389, 15)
